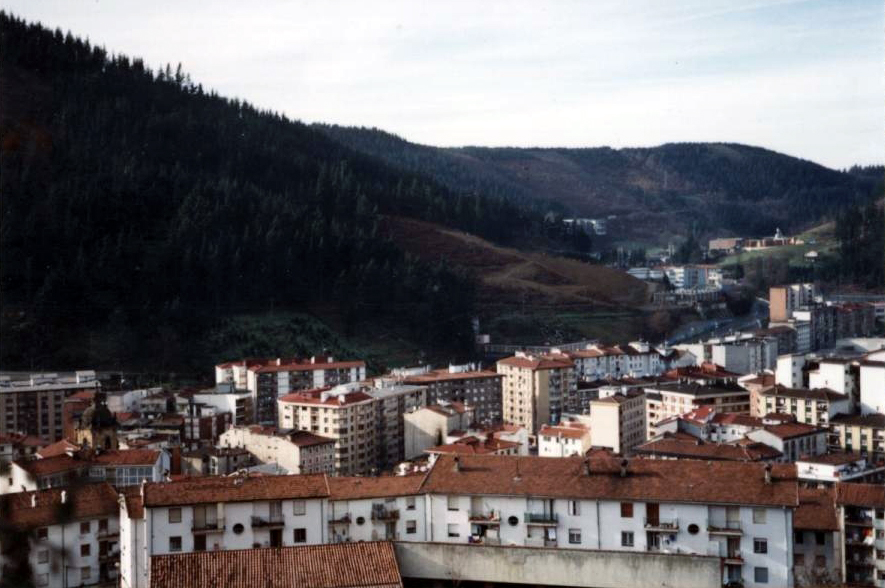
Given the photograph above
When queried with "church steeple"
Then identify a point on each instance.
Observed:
(97, 429)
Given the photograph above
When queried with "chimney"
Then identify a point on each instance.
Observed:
(34, 500)
(624, 463)
(457, 466)
(587, 466)
(768, 473)
(64, 496)
(279, 361)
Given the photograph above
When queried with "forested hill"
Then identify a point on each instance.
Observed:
(139, 209)
(659, 192)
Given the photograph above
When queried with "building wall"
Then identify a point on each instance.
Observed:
(872, 389)
(64, 560)
(361, 525)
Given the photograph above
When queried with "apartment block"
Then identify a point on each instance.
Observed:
(480, 389)
(677, 398)
(536, 389)
(33, 405)
(297, 452)
(872, 387)
(813, 407)
(618, 421)
(570, 437)
(862, 524)
(783, 300)
(792, 440)
(429, 426)
(636, 359)
(861, 433)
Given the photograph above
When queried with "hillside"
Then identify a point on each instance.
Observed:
(657, 193)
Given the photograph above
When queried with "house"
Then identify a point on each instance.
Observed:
(618, 421)
(817, 539)
(570, 437)
(296, 451)
(428, 426)
(792, 440)
(466, 384)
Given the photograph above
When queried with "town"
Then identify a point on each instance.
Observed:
(757, 457)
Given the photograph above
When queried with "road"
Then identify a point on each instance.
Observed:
(699, 330)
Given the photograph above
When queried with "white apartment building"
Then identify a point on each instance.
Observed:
(389, 508)
(81, 551)
(789, 371)
(812, 407)
(836, 374)
(673, 399)
(536, 389)
(564, 440)
(618, 421)
(466, 384)
(636, 359)
(685, 277)
(298, 452)
(746, 356)
(348, 417)
(872, 387)
(429, 426)
(738, 511)
(793, 440)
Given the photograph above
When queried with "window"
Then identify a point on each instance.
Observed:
(798, 537)
(453, 530)
(85, 573)
(759, 515)
(199, 543)
(84, 528)
(299, 507)
(627, 538)
(174, 543)
(798, 559)
(42, 533)
(574, 508)
(299, 536)
(174, 515)
(574, 536)
(43, 556)
(411, 527)
(760, 575)
(103, 526)
(410, 503)
(820, 538)
(760, 545)
(42, 579)
(453, 503)
(627, 510)
(85, 550)
(820, 561)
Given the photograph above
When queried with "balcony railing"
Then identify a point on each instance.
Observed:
(481, 517)
(105, 533)
(859, 521)
(725, 528)
(215, 526)
(541, 518)
(659, 524)
(109, 555)
(383, 514)
(268, 521)
(339, 519)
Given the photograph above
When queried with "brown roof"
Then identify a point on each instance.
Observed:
(339, 565)
(234, 489)
(57, 448)
(308, 439)
(693, 448)
(836, 458)
(85, 501)
(564, 431)
(719, 482)
(871, 495)
(306, 366)
(51, 465)
(868, 420)
(815, 394)
(816, 510)
(537, 363)
(442, 375)
(122, 457)
(351, 488)
(791, 430)
(134, 502)
(314, 397)
(473, 446)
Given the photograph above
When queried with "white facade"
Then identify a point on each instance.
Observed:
(392, 518)
(563, 441)
(789, 370)
(872, 387)
(428, 426)
(836, 375)
(297, 452)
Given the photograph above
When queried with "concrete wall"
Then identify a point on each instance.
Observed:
(551, 567)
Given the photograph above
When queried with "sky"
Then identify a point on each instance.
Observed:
(801, 77)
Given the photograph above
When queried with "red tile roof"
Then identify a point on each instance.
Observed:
(234, 489)
(869, 495)
(126, 457)
(816, 511)
(314, 397)
(134, 502)
(720, 482)
(353, 487)
(51, 465)
(85, 501)
(307, 366)
(339, 565)
(444, 375)
(572, 432)
(537, 363)
(791, 430)
(58, 448)
(692, 448)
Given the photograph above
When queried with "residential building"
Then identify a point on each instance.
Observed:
(783, 300)
(831, 468)
(79, 549)
(227, 399)
(295, 451)
(694, 276)
(428, 426)
(536, 389)
(34, 405)
(817, 539)
(215, 461)
(636, 359)
(862, 433)
(618, 421)
(822, 319)
(812, 407)
(392, 403)
(468, 385)
(836, 373)
(673, 399)
(345, 415)
(862, 526)
(790, 371)
(707, 424)
(570, 437)
(745, 355)
(387, 508)
(473, 445)
(872, 387)
(854, 319)
(792, 440)
(685, 446)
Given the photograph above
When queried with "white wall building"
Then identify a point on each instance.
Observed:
(298, 452)
(429, 426)
(872, 387)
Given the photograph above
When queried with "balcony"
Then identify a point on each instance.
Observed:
(661, 525)
(106, 533)
(484, 518)
(207, 527)
(267, 521)
(109, 555)
(859, 521)
(541, 518)
(384, 514)
(732, 528)
(339, 519)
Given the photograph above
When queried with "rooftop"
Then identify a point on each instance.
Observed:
(443, 375)
(854, 494)
(353, 487)
(691, 448)
(537, 363)
(83, 501)
(234, 489)
(338, 565)
(868, 420)
(815, 394)
(817, 510)
(720, 482)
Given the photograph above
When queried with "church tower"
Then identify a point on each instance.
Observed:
(97, 429)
